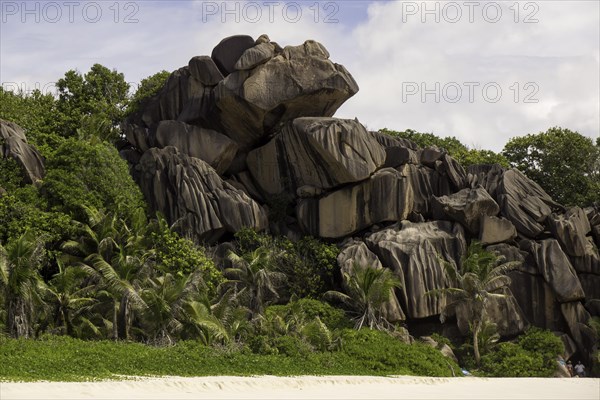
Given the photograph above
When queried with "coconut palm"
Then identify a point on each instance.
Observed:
(167, 298)
(21, 283)
(115, 255)
(67, 295)
(482, 276)
(368, 290)
(254, 273)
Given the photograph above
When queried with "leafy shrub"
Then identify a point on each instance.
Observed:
(179, 255)
(310, 309)
(309, 264)
(534, 355)
(93, 175)
(291, 346)
(379, 351)
(10, 174)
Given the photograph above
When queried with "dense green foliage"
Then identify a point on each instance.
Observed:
(565, 163)
(66, 359)
(480, 278)
(81, 259)
(533, 354)
(463, 154)
(101, 93)
(368, 290)
(148, 87)
(81, 174)
(36, 113)
(309, 264)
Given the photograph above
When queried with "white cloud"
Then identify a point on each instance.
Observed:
(560, 54)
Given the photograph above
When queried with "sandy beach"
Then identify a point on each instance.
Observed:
(309, 387)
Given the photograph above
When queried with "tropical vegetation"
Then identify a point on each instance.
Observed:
(105, 287)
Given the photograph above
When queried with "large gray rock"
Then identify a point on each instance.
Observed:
(452, 169)
(204, 69)
(589, 262)
(537, 301)
(524, 203)
(208, 145)
(467, 206)
(356, 252)
(496, 230)
(425, 183)
(384, 197)
(570, 229)
(593, 215)
(577, 319)
(487, 175)
(554, 265)
(413, 252)
(137, 136)
(299, 82)
(259, 54)
(172, 98)
(318, 152)
(591, 285)
(13, 144)
(229, 50)
(505, 312)
(398, 151)
(192, 196)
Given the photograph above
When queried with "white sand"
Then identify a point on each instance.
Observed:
(310, 387)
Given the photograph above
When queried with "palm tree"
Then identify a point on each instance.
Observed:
(255, 274)
(68, 295)
(115, 254)
(482, 277)
(20, 280)
(368, 290)
(167, 298)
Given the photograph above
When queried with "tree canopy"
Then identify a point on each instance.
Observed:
(565, 163)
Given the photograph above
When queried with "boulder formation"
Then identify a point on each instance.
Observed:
(13, 144)
(247, 138)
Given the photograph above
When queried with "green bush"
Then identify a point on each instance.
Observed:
(379, 351)
(310, 309)
(309, 264)
(179, 255)
(533, 355)
(94, 175)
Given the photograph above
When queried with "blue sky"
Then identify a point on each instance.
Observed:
(483, 71)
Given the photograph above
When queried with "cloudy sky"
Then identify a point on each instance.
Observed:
(483, 71)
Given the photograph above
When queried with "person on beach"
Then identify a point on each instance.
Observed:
(570, 368)
(580, 370)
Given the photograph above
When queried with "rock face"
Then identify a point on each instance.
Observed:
(356, 252)
(189, 192)
(496, 230)
(524, 203)
(13, 144)
(249, 132)
(298, 82)
(555, 267)
(385, 197)
(571, 229)
(467, 206)
(320, 152)
(413, 252)
(210, 146)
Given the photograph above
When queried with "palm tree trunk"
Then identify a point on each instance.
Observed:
(115, 320)
(17, 319)
(123, 318)
(476, 342)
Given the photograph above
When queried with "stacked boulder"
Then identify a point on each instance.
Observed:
(246, 138)
(13, 145)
